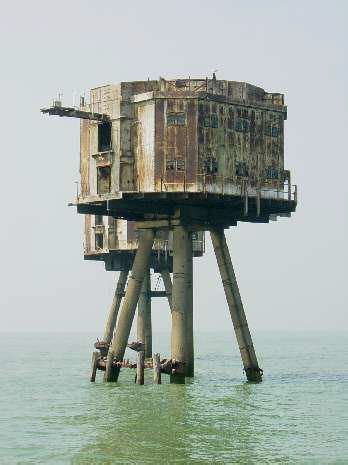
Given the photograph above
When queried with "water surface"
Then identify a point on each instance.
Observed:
(51, 414)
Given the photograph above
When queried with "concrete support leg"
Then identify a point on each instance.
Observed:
(182, 249)
(251, 367)
(125, 320)
(167, 285)
(115, 306)
(189, 314)
(144, 329)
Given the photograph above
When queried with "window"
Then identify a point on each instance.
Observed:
(271, 173)
(242, 125)
(210, 165)
(99, 241)
(103, 179)
(242, 169)
(104, 136)
(178, 164)
(176, 119)
(214, 121)
(271, 130)
(211, 121)
(98, 221)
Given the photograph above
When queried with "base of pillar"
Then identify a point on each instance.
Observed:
(254, 374)
(177, 378)
(112, 375)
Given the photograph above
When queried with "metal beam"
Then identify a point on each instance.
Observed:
(72, 112)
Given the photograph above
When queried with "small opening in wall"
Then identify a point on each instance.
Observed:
(99, 220)
(104, 136)
(99, 241)
(104, 179)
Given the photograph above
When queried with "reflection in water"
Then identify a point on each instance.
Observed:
(294, 416)
(210, 419)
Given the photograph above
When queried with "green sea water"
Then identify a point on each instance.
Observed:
(51, 414)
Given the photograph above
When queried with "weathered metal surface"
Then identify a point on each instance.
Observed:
(188, 135)
(121, 237)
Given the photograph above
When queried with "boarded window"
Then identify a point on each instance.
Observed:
(98, 220)
(104, 179)
(176, 119)
(99, 241)
(104, 136)
(242, 169)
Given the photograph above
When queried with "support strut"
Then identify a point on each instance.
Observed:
(125, 320)
(252, 370)
(115, 306)
(144, 328)
(182, 249)
(167, 285)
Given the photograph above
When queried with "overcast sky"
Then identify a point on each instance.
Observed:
(293, 272)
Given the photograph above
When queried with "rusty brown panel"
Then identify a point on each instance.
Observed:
(159, 142)
(192, 147)
(84, 156)
(171, 105)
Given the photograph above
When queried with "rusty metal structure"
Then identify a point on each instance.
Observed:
(115, 242)
(176, 158)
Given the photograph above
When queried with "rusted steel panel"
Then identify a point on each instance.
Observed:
(191, 144)
(188, 135)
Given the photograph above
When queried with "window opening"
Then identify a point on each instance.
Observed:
(271, 130)
(210, 165)
(104, 136)
(98, 220)
(176, 119)
(242, 169)
(242, 125)
(99, 241)
(271, 173)
(103, 179)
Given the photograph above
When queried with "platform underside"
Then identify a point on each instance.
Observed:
(200, 210)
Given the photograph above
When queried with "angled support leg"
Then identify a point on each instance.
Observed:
(144, 327)
(245, 343)
(125, 320)
(167, 285)
(115, 306)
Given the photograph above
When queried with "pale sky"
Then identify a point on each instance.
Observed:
(293, 272)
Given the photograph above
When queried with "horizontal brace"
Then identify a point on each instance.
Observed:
(152, 294)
